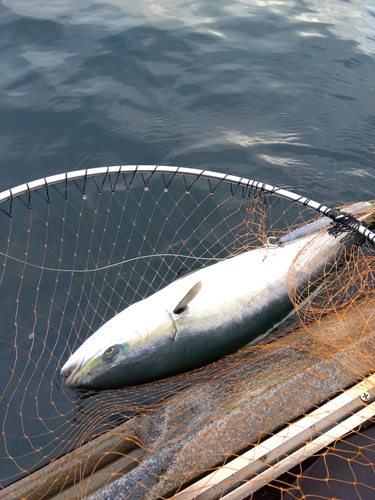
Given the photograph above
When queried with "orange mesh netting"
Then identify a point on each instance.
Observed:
(289, 417)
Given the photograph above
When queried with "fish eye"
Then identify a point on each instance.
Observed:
(110, 353)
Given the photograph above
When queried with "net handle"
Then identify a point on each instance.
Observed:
(341, 218)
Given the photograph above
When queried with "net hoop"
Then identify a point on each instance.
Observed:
(336, 216)
(69, 249)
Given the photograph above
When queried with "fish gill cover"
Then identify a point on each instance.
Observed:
(79, 248)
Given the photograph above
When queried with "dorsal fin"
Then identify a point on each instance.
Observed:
(193, 292)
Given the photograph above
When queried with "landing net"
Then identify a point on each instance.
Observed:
(76, 249)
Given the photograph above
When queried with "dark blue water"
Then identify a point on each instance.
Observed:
(282, 92)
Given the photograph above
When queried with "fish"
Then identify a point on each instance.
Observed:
(212, 312)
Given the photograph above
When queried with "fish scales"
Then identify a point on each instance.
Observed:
(206, 315)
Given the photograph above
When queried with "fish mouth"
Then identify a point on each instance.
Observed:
(73, 371)
(70, 373)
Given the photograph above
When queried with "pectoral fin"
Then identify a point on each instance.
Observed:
(192, 293)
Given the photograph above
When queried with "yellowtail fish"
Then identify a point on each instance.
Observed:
(210, 313)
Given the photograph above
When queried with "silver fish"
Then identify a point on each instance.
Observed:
(205, 315)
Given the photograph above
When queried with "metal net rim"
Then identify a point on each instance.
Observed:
(343, 221)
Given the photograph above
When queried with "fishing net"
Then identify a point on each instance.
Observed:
(287, 417)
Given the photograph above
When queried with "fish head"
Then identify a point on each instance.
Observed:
(88, 368)
(120, 353)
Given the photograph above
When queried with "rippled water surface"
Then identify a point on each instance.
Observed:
(278, 91)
